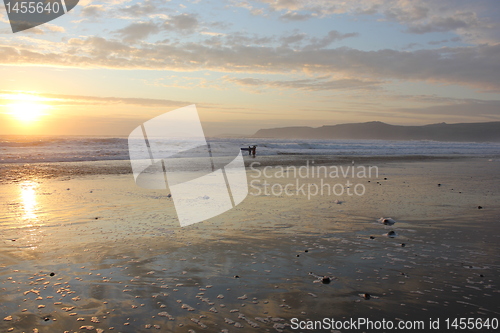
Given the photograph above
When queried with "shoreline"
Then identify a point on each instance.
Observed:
(15, 172)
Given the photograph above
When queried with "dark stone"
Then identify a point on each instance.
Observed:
(52, 274)
(481, 275)
(236, 276)
(366, 296)
(403, 244)
(306, 250)
(326, 279)
(439, 184)
(371, 237)
(479, 207)
(298, 255)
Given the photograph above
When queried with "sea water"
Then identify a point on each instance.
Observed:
(43, 149)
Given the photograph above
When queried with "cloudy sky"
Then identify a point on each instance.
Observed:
(107, 66)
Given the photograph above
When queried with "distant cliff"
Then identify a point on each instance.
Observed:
(376, 130)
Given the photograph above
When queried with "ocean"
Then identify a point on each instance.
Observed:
(44, 149)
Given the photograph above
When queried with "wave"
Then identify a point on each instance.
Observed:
(29, 141)
(35, 149)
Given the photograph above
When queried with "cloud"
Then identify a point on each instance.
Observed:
(186, 23)
(141, 9)
(92, 11)
(62, 99)
(477, 21)
(475, 66)
(53, 28)
(410, 46)
(286, 4)
(476, 110)
(182, 23)
(238, 39)
(407, 14)
(332, 36)
(212, 33)
(95, 47)
(43, 29)
(35, 31)
(437, 42)
(293, 38)
(443, 24)
(138, 31)
(317, 84)
(291, 16)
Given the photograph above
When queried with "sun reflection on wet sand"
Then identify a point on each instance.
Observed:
(30, 213)
(28, 200)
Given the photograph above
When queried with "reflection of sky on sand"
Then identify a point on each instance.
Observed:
(119, 255)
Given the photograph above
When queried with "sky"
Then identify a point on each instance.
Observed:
(107, 66)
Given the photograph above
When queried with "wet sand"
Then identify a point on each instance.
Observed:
(92, 252)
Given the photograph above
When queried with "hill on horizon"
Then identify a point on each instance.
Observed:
(376, 130)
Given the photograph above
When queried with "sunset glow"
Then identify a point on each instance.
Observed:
(108, 66)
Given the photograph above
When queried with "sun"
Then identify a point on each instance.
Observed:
(26, 108)
(27, 111)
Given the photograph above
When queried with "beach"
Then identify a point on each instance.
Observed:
(85, 249)
(259, 166)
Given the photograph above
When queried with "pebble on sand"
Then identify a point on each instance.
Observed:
(391, 233)
(88, 328)
(326, 280)
(386, 221)
(479, 207)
